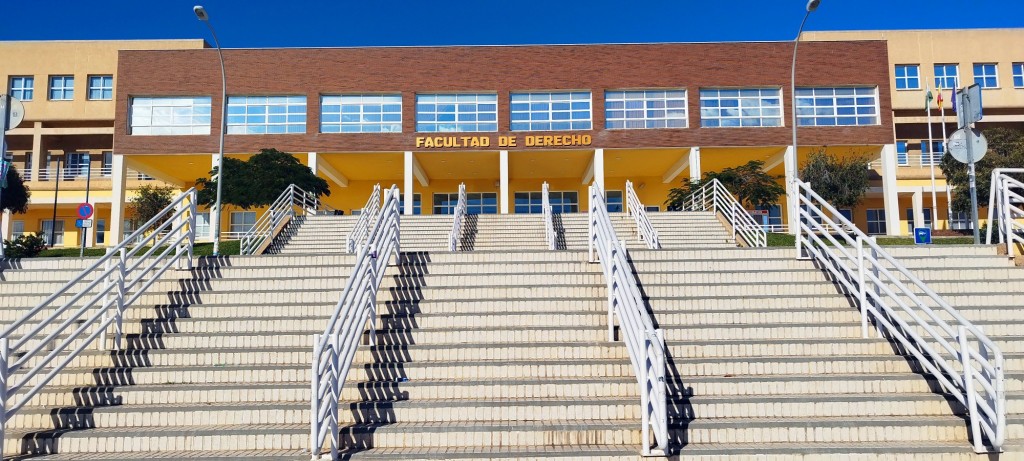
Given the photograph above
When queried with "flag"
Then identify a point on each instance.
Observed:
(938, 99)
(928, 100)
(952, 98)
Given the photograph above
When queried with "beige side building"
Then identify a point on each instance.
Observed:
(65, 142)
(939, 60)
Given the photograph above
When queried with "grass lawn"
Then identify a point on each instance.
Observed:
(227, 247)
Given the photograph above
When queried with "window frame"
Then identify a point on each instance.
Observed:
(58, 233)
(906, 78)
(417, 204)
(253, 107)
(718, 98)
(985, 75)
(67, 94)
(169, 104)
(102, 88)
(945, 77)
(244, 224)
(905, 154)
(927, 212)
(835, 106)
(23, 79)
(647, 97)
(450, 201)
(389, 126)
(879, 221)
(938, 148)
(1017, 70)
(457, 100)
(548, 98)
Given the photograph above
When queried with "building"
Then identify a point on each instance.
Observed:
(501, 119)
(939, 60)
(66, 140)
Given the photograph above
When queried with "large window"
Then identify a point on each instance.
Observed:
(101, 87)
(837, 106)
(476, 203)
(613, 201)
(242, 221)
(62, 87)
(76, 164)
(902, 158)
(961, 221)
(22, 87)
(17, 229)
(544, 111)
(937, 151)
(437, 113)
(908, 77)
(771, 221)
(947, 76)
(170, 115)
(1018, 75)
(876, 221)
(927, 212)
(361, 113)
(645, 109)
(560, 201)
(266, 114)
(985, 75)
(48, 227)
(417, 204)
(740, 107)
(203, 225)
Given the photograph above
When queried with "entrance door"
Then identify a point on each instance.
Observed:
(476, 203)
(561, 202)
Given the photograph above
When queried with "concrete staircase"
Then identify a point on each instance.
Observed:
(314, 234)
(494, 232)
(767, 359)
(690, 229)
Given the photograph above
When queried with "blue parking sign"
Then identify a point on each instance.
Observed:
(922, 235)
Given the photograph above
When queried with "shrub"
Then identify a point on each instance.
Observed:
(25, 246)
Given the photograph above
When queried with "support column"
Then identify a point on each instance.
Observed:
(407, 184)
(890, 196)
(118, 179)
(789, 158)
(37, 150)
(90, 233)
(6, 225)
(215, 214)
(312, 162)
(599, 167)
(503, 183)
(695, 172)
(917, 201)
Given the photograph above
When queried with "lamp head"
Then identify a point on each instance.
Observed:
(201, 12)
(811, 5)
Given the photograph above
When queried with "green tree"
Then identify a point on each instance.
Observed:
(1005, 150)
(149, 202)
(260, 180)
(16, 194)
(841, 181)
(751, 185)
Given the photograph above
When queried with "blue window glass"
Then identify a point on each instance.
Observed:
(266, 114)
(876, 221)
(908, 77)
(937, 151)
(22, 88)
(985, 75)
(747, 107)
(361, 113)
(101, 87)
(417, 204)
(554, 111)
(436, 113)
(643, 109)
(836, 106)
(1018, 75)
(901, 153)
(62, 87)
(947, 76)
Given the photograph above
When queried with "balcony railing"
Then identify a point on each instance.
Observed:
(80, 174)
(916, 160)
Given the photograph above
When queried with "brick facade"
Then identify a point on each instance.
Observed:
(501, 69)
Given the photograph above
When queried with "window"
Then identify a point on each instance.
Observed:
(533, 202)
(361, 113)
(108, 163)
(203, 225)
(908, 77)
(62, 87)
(652, 208)
(22, 87)
(417, 204)
(550, 111)
(76, 164)
(937, 152)
(58, 232)
(927, 218)
(961, 221)
(101, 87)
(876, 221)
(266, 114)
(902, 158)
(101, 231)
(613, 201)
(740, 107)
(476, 203)
(772, 221)
(170, 115)
(985, 75)
(1018, 75)
(836, 106)
(947, 76)
(17, 229)
(645, 109)
(439, 113)
(242, 222)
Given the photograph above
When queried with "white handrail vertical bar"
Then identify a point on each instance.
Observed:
(268, 224)
(937, 337)
(549, 225)
(459, 215)
(357, 237)
(1001, 205)
(644, 229)
(738, 218)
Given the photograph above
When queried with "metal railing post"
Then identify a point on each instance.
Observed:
(645, 399)
(799, 222)
(119, 314)
(862, 294)
(335, 394)
(968, 381)
(5, 353)
(1006, 223)
(314, 398)
(107, 284)
(732, 220)
(611, 294)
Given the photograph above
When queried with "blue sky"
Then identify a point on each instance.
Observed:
(291, 23)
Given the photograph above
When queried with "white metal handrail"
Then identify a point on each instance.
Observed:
(367, 216)
(644, 343)
(39, 345)
(356, 311)
(267, 226)
(1006, 205)
(644, 230)
(460, 213)
(548, 216)
(713, 196)
(73, 173)
(902, 306)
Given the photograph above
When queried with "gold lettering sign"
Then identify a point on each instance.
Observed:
(466, 142)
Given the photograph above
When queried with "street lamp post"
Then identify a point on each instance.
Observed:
(215, 219)
(791, 170)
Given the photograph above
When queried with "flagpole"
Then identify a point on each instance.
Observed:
(931, 158)
(945, 141)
